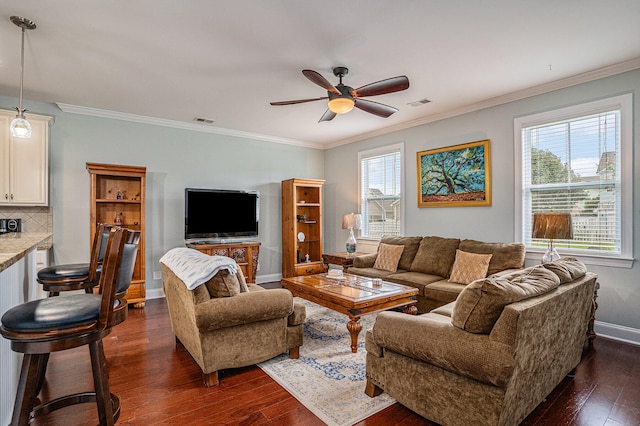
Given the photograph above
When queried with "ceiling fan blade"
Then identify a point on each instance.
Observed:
(328, 116)
(390, 85)
(299, 101)
(316, 78)
(375, 108)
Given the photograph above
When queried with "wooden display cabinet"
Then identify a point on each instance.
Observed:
(301, 227)
(118, 197)
(244, 253)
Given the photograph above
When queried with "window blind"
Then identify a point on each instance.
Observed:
(573, 166)
(380, 194)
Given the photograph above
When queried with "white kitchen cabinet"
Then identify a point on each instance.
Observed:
(24, 163)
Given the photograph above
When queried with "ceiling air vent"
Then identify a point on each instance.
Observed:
(203, 120)
(420, 102)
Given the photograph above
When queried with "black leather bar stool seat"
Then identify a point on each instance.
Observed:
(77, 276)
(74, 272)
(39, 327)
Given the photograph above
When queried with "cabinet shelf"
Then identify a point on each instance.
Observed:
(104, 200)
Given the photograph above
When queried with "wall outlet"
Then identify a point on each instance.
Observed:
(157, 275)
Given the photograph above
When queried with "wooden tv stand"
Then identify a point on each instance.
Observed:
(244, 253)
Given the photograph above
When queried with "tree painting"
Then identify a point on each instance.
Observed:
(455, 176)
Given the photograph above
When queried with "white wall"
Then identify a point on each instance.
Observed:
(619, 297)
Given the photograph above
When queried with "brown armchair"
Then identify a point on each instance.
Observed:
(245, 328)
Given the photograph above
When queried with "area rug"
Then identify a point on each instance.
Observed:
(328, 378)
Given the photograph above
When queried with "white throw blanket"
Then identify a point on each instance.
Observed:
(195, 268)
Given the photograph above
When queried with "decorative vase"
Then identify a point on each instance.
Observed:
(118, 219)
(351, 242)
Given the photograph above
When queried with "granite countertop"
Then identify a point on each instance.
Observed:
(14, 246)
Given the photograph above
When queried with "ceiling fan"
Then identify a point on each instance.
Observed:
(343, 98)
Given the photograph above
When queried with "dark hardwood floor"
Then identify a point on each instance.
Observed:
(159, 384)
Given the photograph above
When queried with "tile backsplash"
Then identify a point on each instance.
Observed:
(34, 219)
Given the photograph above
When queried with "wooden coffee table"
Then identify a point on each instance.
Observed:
(353, 296)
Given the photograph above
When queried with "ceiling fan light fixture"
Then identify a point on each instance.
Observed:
(341, 105)
(20, 127)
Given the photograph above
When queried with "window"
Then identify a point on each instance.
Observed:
(381, 191)
(577, 160)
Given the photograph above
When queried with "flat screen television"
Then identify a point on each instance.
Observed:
(220, 214)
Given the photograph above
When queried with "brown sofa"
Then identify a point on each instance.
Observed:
(227, 323)
(426, 263)
(490, 357)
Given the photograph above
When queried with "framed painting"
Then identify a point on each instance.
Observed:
(455, 176)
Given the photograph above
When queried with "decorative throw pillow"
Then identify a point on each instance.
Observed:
(410, 244)
(388, 257)
(223, 284)
(469, 267)
(505, 255)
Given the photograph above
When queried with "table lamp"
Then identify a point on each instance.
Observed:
(552, 226)
(351, 221)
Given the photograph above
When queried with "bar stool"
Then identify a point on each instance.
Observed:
(77, 276)
(40, 327)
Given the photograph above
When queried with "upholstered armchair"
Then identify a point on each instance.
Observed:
(227, 323)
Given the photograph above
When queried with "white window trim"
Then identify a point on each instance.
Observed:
(625, 104)
(388, 149)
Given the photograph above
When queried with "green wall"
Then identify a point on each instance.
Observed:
(619, 296)
(175, 159)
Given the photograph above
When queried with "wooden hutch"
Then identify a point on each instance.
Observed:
(301, 227)
(118, 197)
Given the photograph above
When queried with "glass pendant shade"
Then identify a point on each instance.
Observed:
(20, 127)
(341, 105)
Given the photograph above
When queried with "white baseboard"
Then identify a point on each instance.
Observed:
(618, 332)
(155, 293)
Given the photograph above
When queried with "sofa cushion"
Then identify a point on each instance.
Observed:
(469, 267)
(435, 256)
(410, 244)
(388, 257)
(480, 304)
(223, 284)
(370, 272)
(413, 279)
(567, 269)
(505, 255)
(443, 291)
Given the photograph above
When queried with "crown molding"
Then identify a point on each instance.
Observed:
(115, 115)
(599, 73)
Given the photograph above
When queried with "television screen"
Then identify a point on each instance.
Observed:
(218, 214)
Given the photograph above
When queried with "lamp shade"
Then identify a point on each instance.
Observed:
(352, 221)
(552, 226)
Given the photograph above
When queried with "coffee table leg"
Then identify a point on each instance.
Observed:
(354, 328)
(410, 309)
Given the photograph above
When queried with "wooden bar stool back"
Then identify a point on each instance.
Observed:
(40, 327)
(77, 276)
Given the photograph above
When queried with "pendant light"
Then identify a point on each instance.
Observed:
(20, 127)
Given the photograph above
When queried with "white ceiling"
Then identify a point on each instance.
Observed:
(226, 60)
